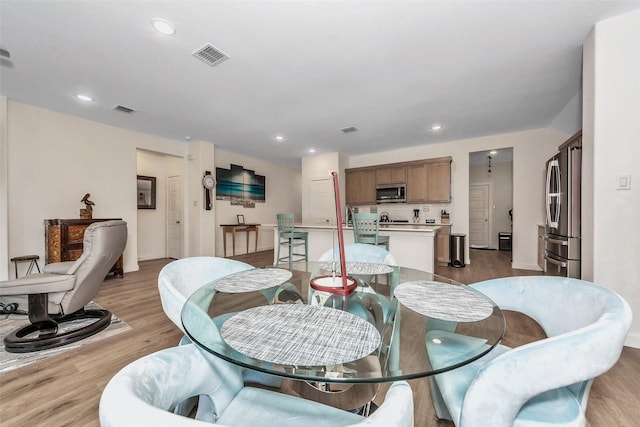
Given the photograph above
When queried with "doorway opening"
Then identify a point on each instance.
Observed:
(490, 198)
(160, 229)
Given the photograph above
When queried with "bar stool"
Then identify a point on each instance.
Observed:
(289, 237)
(34, 261)
(365, 230)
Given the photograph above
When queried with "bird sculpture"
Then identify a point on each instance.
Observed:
(87, 212)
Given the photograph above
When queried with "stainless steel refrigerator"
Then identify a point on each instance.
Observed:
(563, 231)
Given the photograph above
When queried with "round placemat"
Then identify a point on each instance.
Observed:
(359, 268)
(443, 301)
(300, 335)
(253, 280)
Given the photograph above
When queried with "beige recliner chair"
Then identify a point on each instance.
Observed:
(60, 293)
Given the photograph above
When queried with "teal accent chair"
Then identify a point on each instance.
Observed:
(145, 392)
(291, 239)
(179, 279)
(366, 228)
(545, 382)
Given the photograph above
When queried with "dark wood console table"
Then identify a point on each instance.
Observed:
(64, 239)
(233, 229)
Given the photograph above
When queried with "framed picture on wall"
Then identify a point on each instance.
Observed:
(240, 219)
(146, 192)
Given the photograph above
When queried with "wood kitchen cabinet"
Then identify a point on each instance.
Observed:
(542, 263)
(442, 245)
(360, 186)
(64, 239)
(429, 181)
(391, 175)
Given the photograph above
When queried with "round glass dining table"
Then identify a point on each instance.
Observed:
(392, 327)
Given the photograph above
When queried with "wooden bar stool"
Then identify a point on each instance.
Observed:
(33, 261)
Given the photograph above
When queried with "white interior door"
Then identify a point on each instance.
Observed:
(174, 217)
(322, 201)
(479, 216)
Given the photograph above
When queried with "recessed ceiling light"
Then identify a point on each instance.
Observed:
(436, 127)
(493, 152)
(312, 150)
(279, 138)
(82, 97)
(163, 26)
(187, 138)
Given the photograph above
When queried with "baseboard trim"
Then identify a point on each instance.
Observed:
(632, 340)
(534, 267)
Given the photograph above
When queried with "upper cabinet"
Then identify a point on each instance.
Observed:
(428, 181)
(391, 175)
(360, 186)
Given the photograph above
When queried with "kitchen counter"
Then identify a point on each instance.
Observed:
(412, 245)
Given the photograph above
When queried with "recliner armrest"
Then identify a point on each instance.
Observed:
(58, 267)
(43, 283)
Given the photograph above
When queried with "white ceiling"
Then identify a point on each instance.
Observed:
(303, 69)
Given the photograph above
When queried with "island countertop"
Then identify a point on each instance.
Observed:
(412, 245)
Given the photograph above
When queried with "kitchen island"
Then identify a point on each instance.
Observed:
(412, 245)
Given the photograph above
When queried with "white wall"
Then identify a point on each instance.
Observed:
(54, 159)
(320, 166)
(283, 194)
(152, 223)
(612, 147)
(531, 149)
(569, 120)
(4, 187)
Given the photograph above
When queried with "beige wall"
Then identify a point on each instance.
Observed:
(611, 143)
(283, 194)
(531, 149)
(55, 159)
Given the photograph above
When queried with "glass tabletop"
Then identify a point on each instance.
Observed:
(392, 327)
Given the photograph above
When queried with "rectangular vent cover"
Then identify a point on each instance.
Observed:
(210, 55)
(124, 109)
(349, 129)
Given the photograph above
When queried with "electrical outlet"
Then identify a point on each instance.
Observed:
(373, 209)
(426, 208)
(195, 203)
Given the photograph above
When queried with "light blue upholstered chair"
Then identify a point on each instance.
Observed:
(546, 382)
(179, 279)
(145, 392)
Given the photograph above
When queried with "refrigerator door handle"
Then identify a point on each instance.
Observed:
(553, 170)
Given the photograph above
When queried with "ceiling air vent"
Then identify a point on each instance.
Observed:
(349, 129)
(210, 55)
(124, 109)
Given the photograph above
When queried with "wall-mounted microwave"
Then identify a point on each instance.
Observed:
(395, 193)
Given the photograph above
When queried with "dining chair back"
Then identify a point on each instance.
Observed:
(179, 279)
(146, 391)
(366, 229)
(545, 382)
(290, 238)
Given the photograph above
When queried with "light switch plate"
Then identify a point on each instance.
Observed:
(623, 182)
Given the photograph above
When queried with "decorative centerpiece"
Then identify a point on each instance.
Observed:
(342, 284)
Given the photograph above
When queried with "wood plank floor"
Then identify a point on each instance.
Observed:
(65, 390)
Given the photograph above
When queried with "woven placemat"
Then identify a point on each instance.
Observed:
(359, 268)
(443, 301)
(300, 335)
(253, 280)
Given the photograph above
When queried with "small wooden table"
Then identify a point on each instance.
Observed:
(233, 229)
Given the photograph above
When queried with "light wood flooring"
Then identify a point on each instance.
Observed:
(65, 390)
